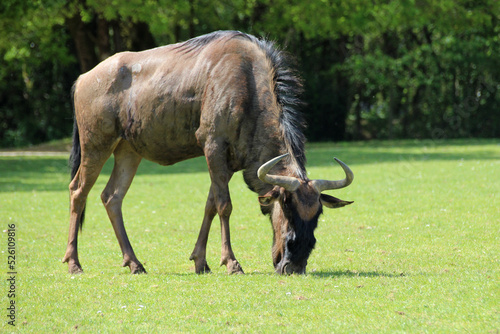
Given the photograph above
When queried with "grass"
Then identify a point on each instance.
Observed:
(418, 251)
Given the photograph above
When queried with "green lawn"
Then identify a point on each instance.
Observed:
(418, 251)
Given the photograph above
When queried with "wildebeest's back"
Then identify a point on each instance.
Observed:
(154, 98)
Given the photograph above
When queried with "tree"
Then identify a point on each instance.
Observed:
(372, 69)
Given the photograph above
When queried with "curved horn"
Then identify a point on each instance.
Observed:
(287, 182)
(322, 185)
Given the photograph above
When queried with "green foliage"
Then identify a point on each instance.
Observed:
(417, 252)
(405, 72)
(35, 74)
(372, 69)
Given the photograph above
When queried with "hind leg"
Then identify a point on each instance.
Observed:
(126, 164)
(79, 188)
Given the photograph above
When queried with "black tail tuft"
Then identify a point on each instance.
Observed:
(75, 157)
(76, 154)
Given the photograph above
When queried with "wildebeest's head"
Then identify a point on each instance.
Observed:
(294, 206)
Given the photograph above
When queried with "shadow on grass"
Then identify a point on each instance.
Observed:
(29, 173)
(359, 153)
(348, 273)
(52, 173)
(33, 174)
(316, 274)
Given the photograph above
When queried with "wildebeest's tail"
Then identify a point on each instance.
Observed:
(75, 157)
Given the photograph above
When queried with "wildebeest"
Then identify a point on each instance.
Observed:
(228, 96)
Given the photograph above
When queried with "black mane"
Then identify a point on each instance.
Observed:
(197, 43)
(288, 88)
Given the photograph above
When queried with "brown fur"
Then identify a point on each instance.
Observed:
(214, 96)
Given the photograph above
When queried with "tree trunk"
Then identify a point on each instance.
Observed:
(85, 47)
(103, 41)
(142, 39)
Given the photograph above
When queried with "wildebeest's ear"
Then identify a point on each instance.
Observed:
(333, 202)
(266, 200)
(269, 198)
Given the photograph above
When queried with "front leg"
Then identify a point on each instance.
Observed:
(220, 175)
(200, 249)
(227, 255)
